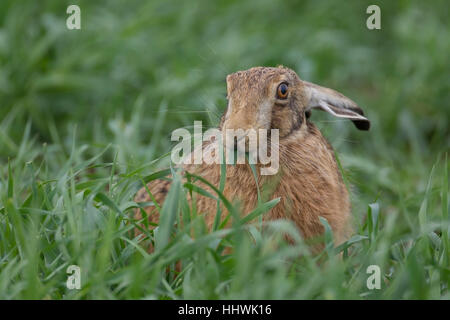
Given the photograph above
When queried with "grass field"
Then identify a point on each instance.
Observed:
(86, 117)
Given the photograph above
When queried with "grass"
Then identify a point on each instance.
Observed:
(86, 117)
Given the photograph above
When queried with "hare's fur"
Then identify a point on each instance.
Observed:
(308, 181)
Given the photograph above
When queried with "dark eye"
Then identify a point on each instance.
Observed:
(282, 91)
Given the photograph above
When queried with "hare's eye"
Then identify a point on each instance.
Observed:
(282, 91)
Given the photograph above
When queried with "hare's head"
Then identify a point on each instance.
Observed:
(276, 98)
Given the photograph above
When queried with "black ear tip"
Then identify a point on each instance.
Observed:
(362, 124)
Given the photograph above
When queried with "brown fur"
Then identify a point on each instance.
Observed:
(308, 181)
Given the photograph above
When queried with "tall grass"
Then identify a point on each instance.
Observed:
(86, 116)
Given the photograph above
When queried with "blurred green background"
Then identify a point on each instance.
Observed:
(139, 69)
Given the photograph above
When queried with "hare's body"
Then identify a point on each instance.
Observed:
(308, 179)
(308, 188)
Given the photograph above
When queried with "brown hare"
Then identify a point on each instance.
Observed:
(308, 179)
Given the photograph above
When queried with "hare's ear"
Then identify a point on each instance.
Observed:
(335, 103)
